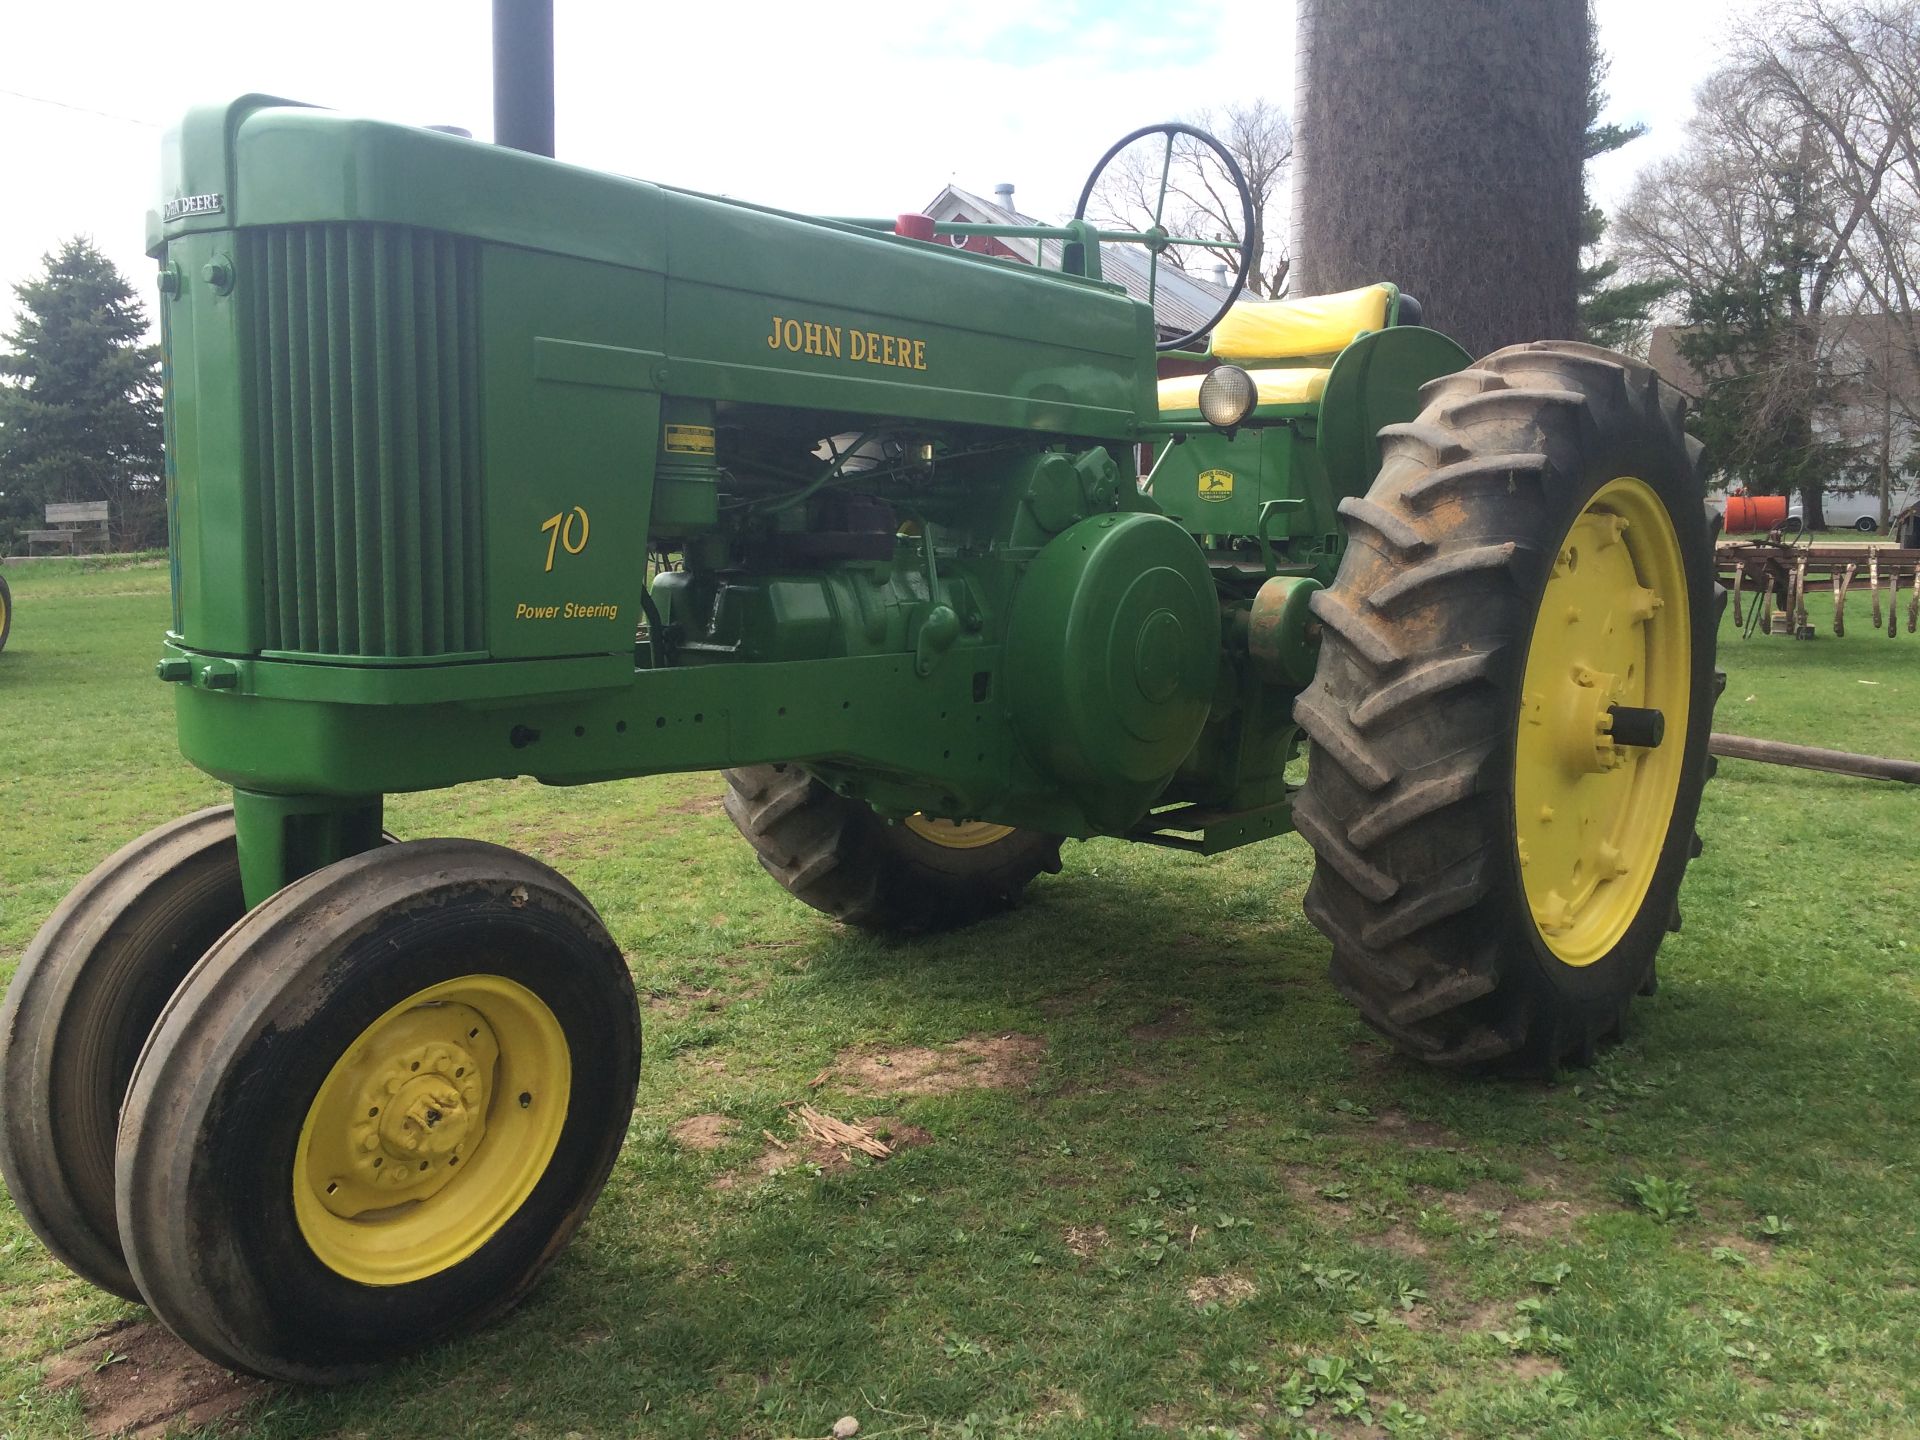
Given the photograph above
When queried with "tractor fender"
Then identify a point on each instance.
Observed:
(1376, 381)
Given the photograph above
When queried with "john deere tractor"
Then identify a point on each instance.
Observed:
(482, 465)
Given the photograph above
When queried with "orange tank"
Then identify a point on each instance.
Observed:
(1755, 512)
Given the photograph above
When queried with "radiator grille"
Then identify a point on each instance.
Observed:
(366, 437)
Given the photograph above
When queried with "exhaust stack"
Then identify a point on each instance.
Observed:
(523, 75)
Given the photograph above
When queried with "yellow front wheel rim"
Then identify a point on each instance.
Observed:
(432, 1130)
(957, 834)
(1613, 629)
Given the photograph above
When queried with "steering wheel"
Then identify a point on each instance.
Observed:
(1156, 239)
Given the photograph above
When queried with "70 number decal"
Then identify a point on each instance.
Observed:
(560, 533)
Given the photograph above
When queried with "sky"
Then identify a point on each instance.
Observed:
(847, 107)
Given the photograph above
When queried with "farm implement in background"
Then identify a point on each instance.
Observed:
(1769, 581)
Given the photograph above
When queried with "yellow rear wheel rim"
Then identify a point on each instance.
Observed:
(1591, 817)
(431, 1130)
(957, 834)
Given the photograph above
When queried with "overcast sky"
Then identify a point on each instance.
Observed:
(849, 107)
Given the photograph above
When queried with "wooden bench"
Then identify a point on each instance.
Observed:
(73, 528)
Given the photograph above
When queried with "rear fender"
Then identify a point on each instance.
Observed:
(1376, 381)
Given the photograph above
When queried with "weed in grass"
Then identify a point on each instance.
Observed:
(1552, 1277)
(1668, 1201)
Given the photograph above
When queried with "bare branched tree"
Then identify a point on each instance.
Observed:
(1801, 183)
(1200, 199)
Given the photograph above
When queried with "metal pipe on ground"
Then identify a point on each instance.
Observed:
(1811, 757)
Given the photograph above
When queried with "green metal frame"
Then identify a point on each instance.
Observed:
(482, 465)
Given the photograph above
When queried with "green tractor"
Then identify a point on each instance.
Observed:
(483, 465)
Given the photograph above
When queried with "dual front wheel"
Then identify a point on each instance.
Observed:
(359, 1121)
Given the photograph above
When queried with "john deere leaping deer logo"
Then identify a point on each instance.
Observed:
(1216, 484)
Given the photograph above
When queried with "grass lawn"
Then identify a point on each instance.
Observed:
(1169, 1181)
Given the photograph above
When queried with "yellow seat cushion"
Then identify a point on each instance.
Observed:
(1296, 386)
(1297, 329)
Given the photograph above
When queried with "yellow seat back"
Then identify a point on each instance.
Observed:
(1299, 329)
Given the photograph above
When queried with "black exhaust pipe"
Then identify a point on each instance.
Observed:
(523, 75)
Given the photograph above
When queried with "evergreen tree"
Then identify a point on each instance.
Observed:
(1614, 314)
(1763, 380)
(80, 395)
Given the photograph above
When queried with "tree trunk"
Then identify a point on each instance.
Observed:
(1438, 144)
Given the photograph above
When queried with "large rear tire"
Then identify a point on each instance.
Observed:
(86, 994)
(843, 859)
(377, 1110)
(1495, 872)
(6, 612)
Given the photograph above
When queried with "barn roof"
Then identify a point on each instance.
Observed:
(1182, 302)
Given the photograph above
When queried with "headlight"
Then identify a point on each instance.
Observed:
(1227, 396)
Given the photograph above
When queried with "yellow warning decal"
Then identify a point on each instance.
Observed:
(689, 440)
(1216, 484)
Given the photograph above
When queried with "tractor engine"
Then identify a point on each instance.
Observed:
(471, 430)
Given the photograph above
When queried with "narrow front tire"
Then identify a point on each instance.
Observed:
(377, 1110)
(87, 992)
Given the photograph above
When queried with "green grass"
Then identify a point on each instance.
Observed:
(1271, 1207)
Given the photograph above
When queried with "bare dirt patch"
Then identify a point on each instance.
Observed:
(1402, 1129)
(1550, 1217)
(1751, 1249)
(1305, 1187)
(1168, 1024)
(1539, 1219)
(1400, 1240)
(135, 1379)
(1085, 1241)
(695, 805)
(702, 1000)
(776, 1159)
(1219, 1290)
(704, 1132)
(1487, 1315)
(1532, 1367)
(897, 1133)
(978, 1062)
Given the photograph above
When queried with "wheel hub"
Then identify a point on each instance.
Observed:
(415, 1108)
(1607, 667)
(431, 1104)
(431, 1130)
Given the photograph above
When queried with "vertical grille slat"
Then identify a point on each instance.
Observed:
(366, 440)
(385, 426)
(467, 344)
(339, 401)
(326, 548)
(433, 482)
(299, 479)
